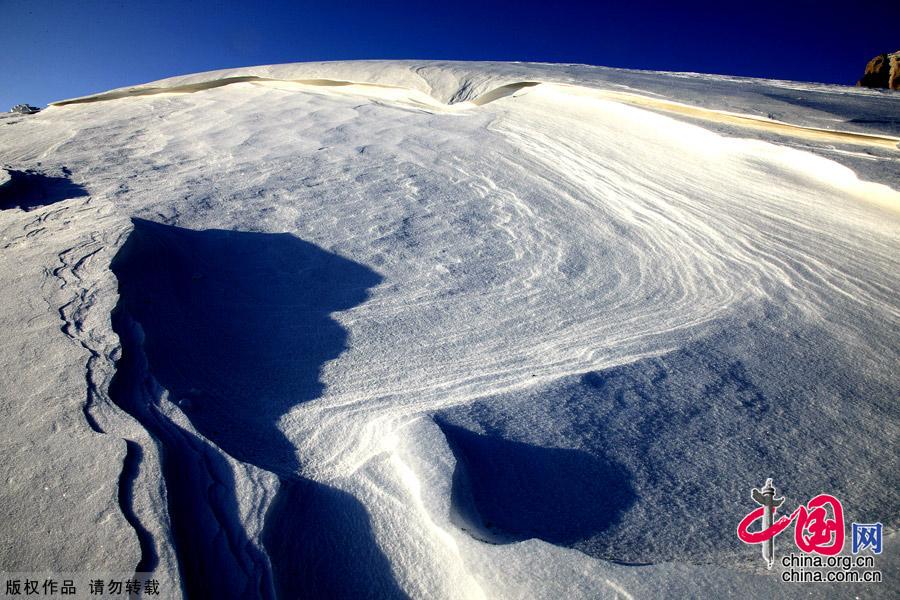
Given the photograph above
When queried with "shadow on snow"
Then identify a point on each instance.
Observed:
(507, 491)
(236, 327)
(28, 190)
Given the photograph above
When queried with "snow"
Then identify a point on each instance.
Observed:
(446, 329)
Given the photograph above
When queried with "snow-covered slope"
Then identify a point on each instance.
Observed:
(445, 329)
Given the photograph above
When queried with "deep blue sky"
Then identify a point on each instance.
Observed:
(50, 50)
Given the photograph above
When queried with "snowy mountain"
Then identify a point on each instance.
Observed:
(446, 330)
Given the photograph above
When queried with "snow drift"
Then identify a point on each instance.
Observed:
(390, 329)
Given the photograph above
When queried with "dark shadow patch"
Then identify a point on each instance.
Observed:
(236, 326)
(507, 491)
(29, 189)
(321, 545)
(215, 557)
(131, 465)
(894, 121)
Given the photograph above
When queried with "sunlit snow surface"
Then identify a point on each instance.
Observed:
(444, 332)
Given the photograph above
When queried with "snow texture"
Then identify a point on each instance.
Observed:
(454, 330)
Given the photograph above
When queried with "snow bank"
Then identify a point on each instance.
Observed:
(449, 329)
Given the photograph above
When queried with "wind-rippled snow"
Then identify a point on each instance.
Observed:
(525, 344)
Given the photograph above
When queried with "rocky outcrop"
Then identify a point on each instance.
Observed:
(24, 109)
(883, 71)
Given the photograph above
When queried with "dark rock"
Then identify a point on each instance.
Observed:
(24, 109)
(883, 71)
